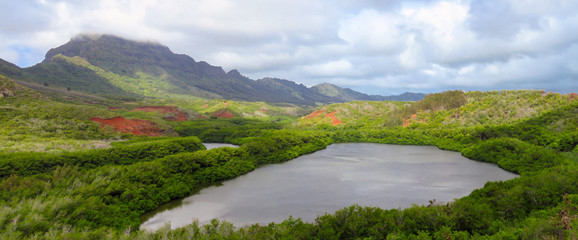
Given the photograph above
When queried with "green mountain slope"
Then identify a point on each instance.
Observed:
(61, 72)
(109, 65)
(9, 69)
(348, 94)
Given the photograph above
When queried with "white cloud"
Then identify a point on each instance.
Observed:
(379, 47)
(374, 31)
(412, 57)
(334, 68)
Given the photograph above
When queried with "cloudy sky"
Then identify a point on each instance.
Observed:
(374, 46)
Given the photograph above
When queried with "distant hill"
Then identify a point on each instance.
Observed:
(9, 69)
(446, 109)
(111, 66)
(347, 94)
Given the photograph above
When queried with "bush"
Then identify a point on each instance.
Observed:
(513, 155)
(25, 164)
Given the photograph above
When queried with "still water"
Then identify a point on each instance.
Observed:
(217, 145)
(386, 176)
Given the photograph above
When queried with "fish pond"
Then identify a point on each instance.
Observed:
(385, 176)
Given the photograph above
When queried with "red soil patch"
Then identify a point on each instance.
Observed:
(407, 122)
(174, 113)
(334, 120)
(314, 114)
(263, 109)
(205, 106)
(331, 115)
(573, 96)
(134, 126)
(223, 114)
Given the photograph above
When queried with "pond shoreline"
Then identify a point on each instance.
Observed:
(334, 181)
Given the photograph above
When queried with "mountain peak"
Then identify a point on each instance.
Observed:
(87, 37)
(104, 47)
(83, 37)
(111, 65)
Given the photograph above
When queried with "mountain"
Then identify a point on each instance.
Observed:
(112, 66)
(9, 69)
(347, 94)
(407, 96)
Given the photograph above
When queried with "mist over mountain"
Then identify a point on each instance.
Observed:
(112, 66)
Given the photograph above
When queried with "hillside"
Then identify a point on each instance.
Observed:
(56, 119)
(348, 94)
(448, 109)
(114, 67)
(7, 87)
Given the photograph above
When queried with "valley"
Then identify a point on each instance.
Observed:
(106, 130)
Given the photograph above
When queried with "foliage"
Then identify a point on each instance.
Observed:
(25, 164)
(112, 187)
(6, 83)
(513, 155)
(354, 115)
(60, 72)
(101, 193)
(240, 109)
(445, 110)
(224, 130)
(34, 122)
(141, 84)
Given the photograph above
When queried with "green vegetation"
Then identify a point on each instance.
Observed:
(48, 122)
(66, 74)
(233, 130)
(445, 110)
(25, 164)
(239, 109)
(142, 84)
(113, 196)
(101, 193)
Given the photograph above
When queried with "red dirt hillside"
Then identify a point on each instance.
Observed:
(319, 114)
(134, 126)
(175, 113)
(223, 114)
(314, 114)
(334, 120)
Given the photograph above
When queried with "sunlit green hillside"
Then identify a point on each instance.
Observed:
(448, 109)
(60, 121)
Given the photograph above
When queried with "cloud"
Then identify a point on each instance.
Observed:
(378, 47)
(373, 32)
(333, 68)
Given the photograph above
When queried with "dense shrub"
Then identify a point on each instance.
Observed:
(24, 164)
(513, 155)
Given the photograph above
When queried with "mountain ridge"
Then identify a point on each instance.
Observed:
(109, 61)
